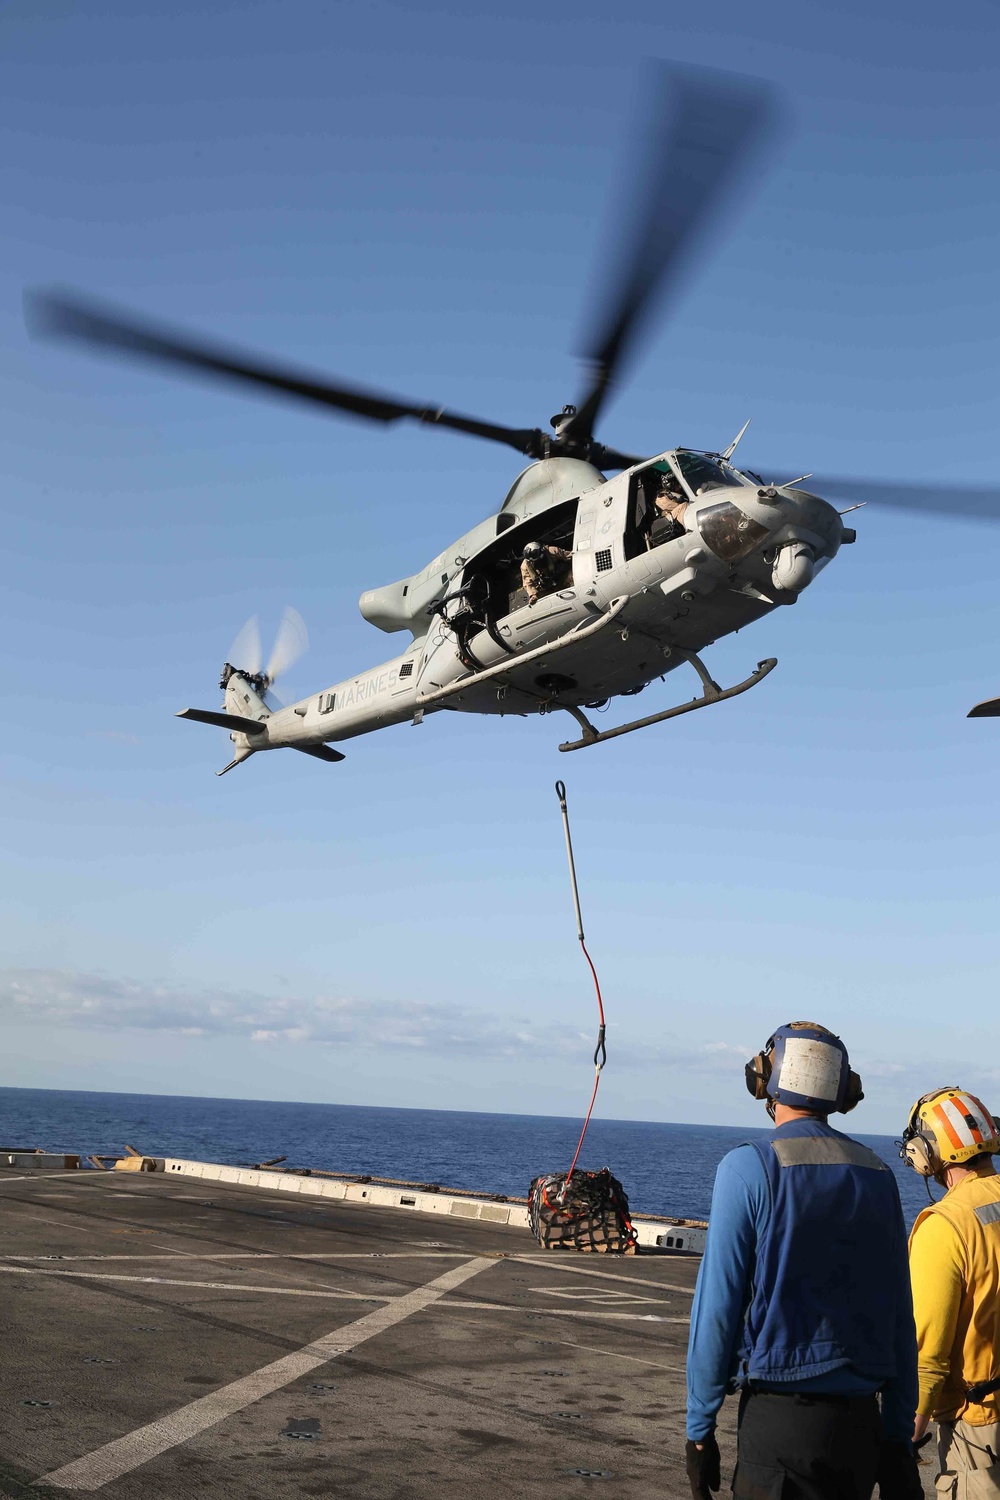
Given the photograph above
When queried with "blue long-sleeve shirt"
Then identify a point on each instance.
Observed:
(740, 1212)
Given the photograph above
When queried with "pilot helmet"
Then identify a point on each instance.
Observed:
(532, 551)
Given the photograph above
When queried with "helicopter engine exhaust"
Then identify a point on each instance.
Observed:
(794, 567)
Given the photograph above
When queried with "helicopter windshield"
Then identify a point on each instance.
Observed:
(702, 474)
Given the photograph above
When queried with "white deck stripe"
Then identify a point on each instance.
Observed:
(558, 1312)
(35, 1176)
(138, 1447)
(261, 1255)
(558, 1262)
(216, 1286)
(610, 1354)
(59, 1223)
(294, 1291)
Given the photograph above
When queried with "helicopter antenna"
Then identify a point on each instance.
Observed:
(732, 446)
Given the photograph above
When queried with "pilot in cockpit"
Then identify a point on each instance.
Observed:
(670, 504)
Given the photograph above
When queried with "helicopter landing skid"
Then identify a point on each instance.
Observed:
(712, 694)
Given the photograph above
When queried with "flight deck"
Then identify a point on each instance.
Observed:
(164, 1336)
(167, 1337)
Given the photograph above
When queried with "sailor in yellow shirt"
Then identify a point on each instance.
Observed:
(955, 1272)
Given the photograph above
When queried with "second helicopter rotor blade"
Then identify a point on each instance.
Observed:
(704, 130)
(972, 501)
(66, 315)
(611, 458)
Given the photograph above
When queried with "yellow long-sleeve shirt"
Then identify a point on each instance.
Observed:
(955, 1272)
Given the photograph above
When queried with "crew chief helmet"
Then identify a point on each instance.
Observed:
(947, 1128)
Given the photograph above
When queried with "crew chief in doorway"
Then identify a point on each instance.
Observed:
(803, 1298)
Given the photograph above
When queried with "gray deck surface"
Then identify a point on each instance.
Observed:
(126, 1299)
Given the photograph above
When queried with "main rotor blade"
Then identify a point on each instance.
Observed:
(703, 130)
(978, 502)
(611, 458)
(57, 314)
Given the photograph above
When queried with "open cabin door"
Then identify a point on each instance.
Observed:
(491, 581)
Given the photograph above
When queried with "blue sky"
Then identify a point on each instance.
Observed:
(415, 196)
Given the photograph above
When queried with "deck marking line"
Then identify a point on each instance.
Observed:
(36, 1176)
(61, 1223)
(551, 1265)
(126, 1453)
(218, 1286)
(263, 1255)
(556, 1312)
(610, 1354)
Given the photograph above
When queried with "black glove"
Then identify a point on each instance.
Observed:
(702, 1466)
(898, 1477)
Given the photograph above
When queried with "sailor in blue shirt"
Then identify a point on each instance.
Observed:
(803, 1298)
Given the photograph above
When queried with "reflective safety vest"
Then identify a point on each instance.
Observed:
(831, 1279)
(972, 1208)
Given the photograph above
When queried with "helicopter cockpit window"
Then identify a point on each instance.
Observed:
(702, 474)
(728, 531)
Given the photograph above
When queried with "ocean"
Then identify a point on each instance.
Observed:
(666, 1169)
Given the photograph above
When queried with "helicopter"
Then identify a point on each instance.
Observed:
(642, 571)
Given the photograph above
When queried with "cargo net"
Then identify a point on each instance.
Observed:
(584, 1211)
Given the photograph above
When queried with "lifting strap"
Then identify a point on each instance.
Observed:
(600, 1051)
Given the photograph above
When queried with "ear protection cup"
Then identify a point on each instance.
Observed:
(757, 1072)
(853, 1094)
(918, 1154)
(918, 1150)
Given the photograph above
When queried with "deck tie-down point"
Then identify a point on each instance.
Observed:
(306, 1428)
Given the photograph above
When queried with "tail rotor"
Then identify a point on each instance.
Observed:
(291, 642)
(246, 655)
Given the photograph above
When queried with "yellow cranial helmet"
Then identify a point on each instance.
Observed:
(947, 1128)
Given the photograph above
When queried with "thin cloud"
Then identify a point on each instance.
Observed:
(59, 997)
(69, 998)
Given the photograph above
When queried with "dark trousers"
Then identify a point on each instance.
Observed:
(806, 1447)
